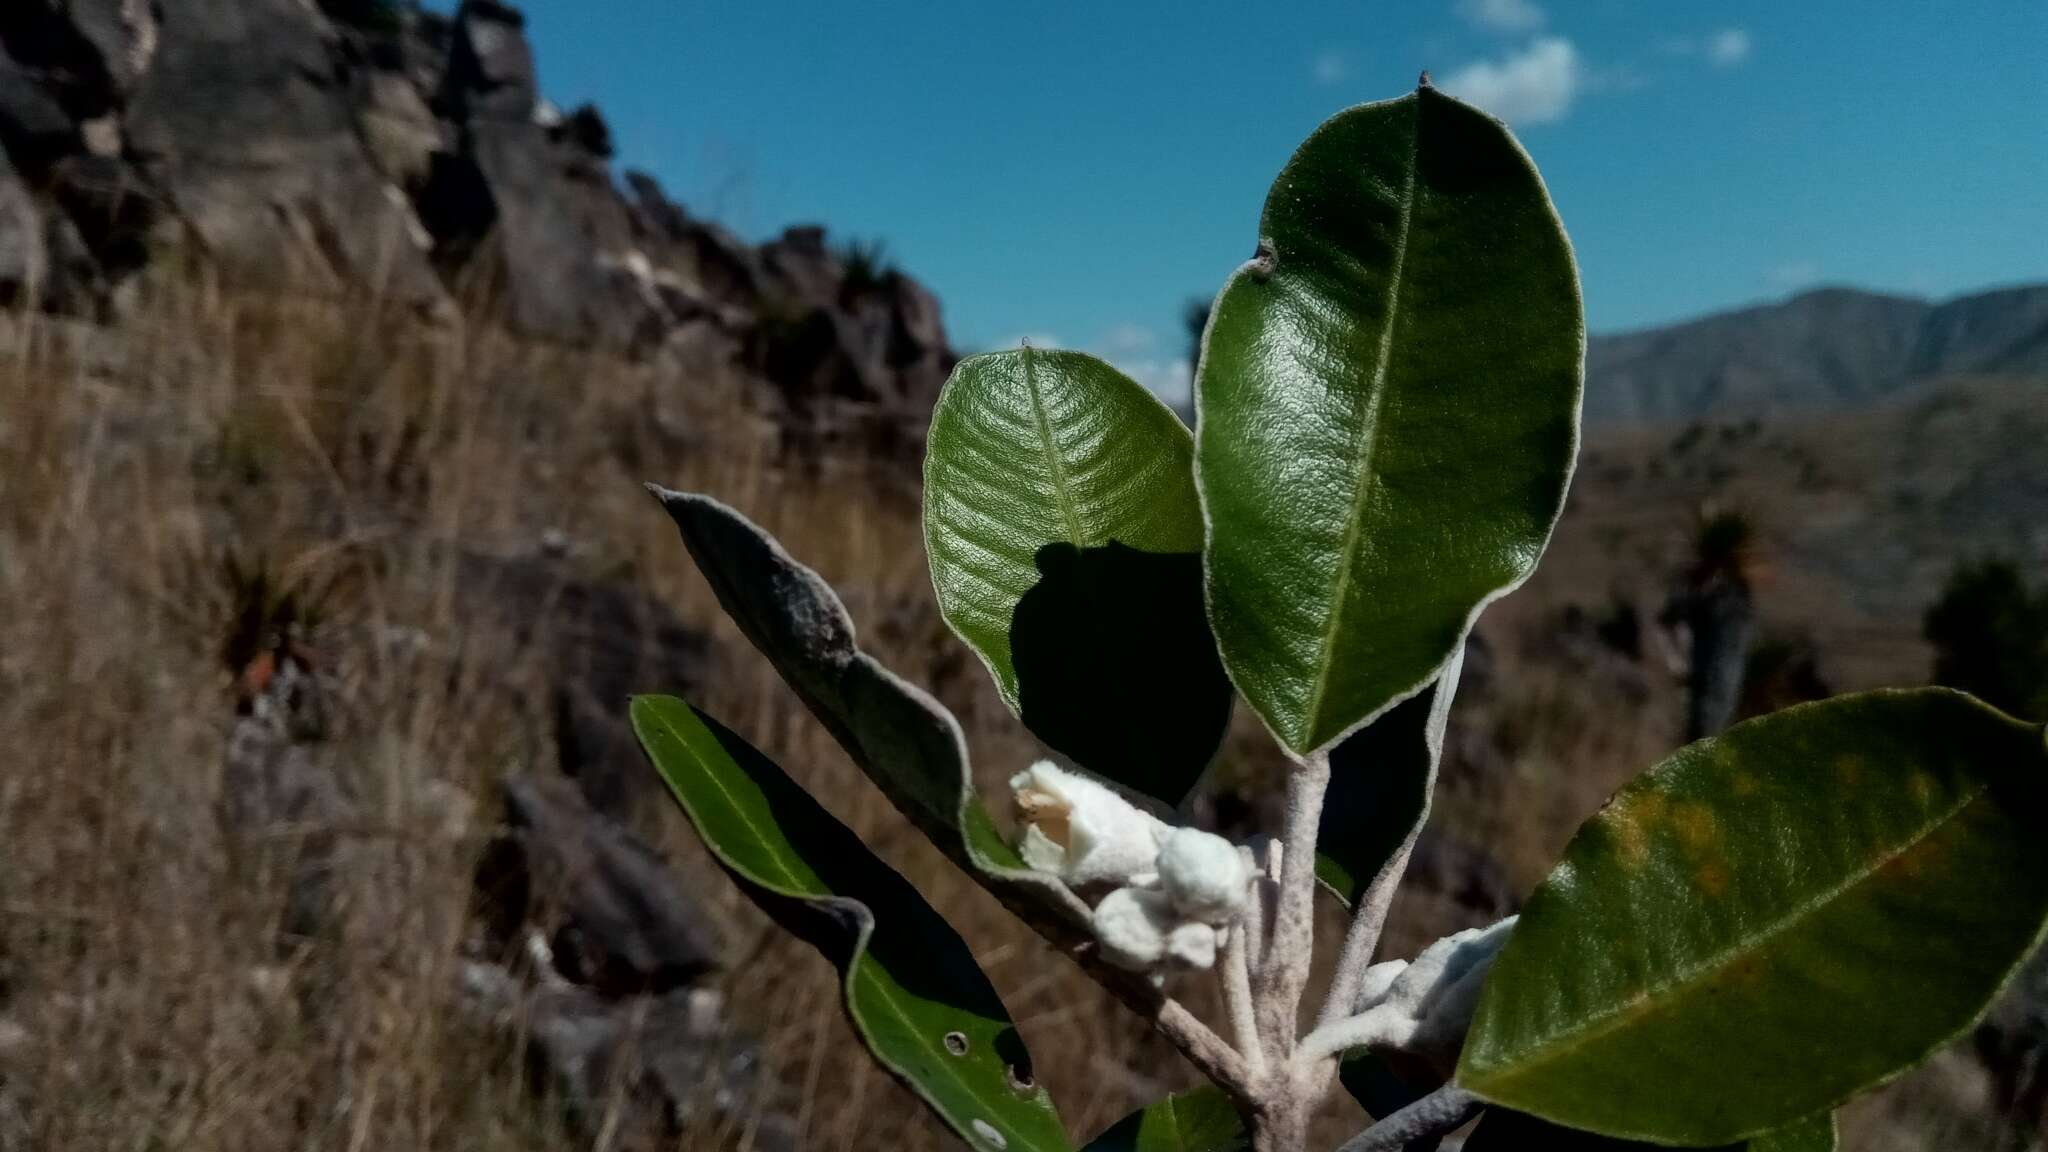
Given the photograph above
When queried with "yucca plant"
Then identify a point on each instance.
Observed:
(1388, 411)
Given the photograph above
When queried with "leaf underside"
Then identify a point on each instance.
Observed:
(912, 988)
(905, 741)
(1773, 920)
(1199, 1120)
(1065, 542)
(1389, 405)
(1381, 778)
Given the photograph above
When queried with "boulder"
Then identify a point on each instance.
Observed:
(119, 39)
(490, 65)
(111, 210)
(281, 806)
(617, 918)
(557, 239)
(709, 271)
(24, 256)
(599, 644)
(400, 133)
(277, 189)
(642, 1068)
(35, 126)
(74, 282)
(835, 331)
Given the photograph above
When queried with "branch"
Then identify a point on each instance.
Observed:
(1207, 1051)
(1288, 952)
(1438, 1114)
(1368, 920)
(1237, 996)
(1384, 1026)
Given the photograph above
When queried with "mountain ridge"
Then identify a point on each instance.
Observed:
(1826, 349)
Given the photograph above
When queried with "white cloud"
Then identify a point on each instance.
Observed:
(1533, 86)
(1728, 48)
(1135, 350)
(1125, 340)
(1330, 68)
(1502, 15)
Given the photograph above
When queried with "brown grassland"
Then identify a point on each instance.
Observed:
(355, 455)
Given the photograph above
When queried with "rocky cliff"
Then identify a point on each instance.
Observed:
(367, 148)
(1834, 348)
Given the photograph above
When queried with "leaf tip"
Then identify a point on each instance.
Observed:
(1423, 81)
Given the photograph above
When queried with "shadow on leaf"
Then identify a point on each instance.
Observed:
(1116, 667)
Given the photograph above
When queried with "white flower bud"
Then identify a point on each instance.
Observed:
(1379, 980)
(1204, 874)
(1440, 989)
(1040, 851)
(1192, 945)
(1132, 924)
(1085, 831)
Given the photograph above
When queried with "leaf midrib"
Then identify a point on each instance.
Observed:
(1650, 1001)
(1061, 496)
(1365, 444)
(793, 887)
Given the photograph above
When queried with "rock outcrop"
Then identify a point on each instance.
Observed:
(370, 149)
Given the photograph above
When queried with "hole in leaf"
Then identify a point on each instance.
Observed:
(956, 1043)
(1021, 1081)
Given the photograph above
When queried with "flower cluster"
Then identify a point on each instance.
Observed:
(1174, 892)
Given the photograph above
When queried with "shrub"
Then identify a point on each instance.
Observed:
(1990, 637)
(1752, 932)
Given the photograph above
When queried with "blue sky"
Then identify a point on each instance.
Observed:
(1075, 172)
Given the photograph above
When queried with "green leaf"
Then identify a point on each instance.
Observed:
(1773, 920)
(1389, 407)
(912, 988)
(1198, 1120)
(1813, 1134)
(1065, 543)
(1501, 1130)
(1380, 782)
(906, 742)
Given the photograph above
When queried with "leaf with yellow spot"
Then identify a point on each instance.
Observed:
(1771, 921)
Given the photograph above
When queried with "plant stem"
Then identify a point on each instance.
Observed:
(1437, 1114)
(1368, 920)
(1237, 998)
(1384, 1025)
(1292, 943)
(1281, 1123)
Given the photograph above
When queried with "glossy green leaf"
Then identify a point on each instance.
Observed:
(912, 988)
(1773, 920)
(1198, 1120)
(906, 742)
(1389, 405)
(1381, 778)
(1065, 543)
(1501, 1130)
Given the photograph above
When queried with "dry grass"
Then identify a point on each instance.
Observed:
(356, 457)
(143, 949)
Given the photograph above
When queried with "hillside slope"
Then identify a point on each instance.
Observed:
(1828, 349)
